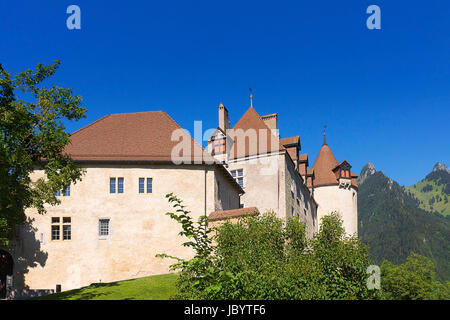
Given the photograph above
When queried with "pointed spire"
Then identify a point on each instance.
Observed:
(251, 98)
(324, 134)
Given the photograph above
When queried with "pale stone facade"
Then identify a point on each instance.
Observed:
(271, 180)
(139, 228)
(338, 199)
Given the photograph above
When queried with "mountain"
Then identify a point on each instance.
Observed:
(433, 192)
(391, 222)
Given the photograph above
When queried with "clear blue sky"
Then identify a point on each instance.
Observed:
(384, 94)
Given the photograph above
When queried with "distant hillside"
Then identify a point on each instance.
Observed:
(433, 192)
(393, 225)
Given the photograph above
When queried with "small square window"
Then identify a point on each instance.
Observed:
(103, 227)
(66, 220)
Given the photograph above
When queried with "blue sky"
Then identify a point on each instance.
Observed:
(384, 94)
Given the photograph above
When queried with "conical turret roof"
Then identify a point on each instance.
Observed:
(323, 167)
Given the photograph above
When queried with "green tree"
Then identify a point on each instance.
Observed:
(32, 136)
(413, 280)
(262, 257)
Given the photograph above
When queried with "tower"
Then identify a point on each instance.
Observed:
(335, 189)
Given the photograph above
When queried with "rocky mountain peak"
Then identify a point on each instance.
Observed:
(366, 171)
(440, 167)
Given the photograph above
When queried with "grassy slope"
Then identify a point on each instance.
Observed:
(160, 287)
(424, 197)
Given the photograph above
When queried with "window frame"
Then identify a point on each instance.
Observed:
(112, 185)
(104, 236)
(147, 185)
(236, 176)
(61, 224)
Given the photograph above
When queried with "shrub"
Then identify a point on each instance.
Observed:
(261, 257)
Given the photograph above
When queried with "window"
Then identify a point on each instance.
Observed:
(238, 175)
(67, 229)
(112, 185)
(65, 226)
(116, 185)
(103, 227)
(149, 185)
(55, 228)
(219, 145)
(142, 185)
(66, 191)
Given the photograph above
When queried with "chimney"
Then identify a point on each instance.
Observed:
(270, 120)
(224, 124)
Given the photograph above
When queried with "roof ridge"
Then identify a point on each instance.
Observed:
(90, 124)
(192, 138)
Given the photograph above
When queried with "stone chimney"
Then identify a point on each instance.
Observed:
(270, 120)
(224, 124)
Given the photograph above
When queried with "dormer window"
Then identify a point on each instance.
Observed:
(219, 143)
(345, 173)
(342, 170)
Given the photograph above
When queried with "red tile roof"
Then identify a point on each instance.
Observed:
(290, 141)
(303, 157)
(234, 213)
(243, 146)
(324, 167)
(143, 136)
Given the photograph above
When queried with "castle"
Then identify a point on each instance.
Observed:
(110, 225)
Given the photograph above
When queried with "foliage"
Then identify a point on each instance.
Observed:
(32, 136)
(261, 257)
(393, 225)
(413, 280)
(433, 192)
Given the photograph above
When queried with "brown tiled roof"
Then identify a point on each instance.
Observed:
(323, 167)
(136, 137)
(303, 163)
(290, 141)
(309, 177)
(234, 213)
(251, 120)
(292, 151)
(303, 157)
(143, 136)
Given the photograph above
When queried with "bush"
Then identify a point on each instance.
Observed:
(413, 280)
(261, 257)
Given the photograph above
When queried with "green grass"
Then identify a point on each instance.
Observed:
(160, 287)
(424, 197)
